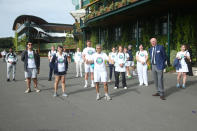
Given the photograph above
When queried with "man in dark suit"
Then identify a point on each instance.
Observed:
(158, 58)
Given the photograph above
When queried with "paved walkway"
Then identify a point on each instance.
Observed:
(134, 109)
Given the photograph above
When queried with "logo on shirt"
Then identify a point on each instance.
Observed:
(142, 55)
(121, 56)
(113, 56)
(11, 56)
(90, 52)
(60, 60)
(31, 56)
(99, 60)
(182, 56)
(79, 54)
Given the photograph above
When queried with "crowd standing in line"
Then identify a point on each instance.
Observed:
(121, 62)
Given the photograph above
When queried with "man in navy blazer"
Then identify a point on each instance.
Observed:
(158, 59)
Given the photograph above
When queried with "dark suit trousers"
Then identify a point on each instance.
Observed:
(50, 71)
(158, 79)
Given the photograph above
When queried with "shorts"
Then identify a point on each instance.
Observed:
(88, 68)
(60, 73)
(130, 63)
(100, 76)
(31, 73)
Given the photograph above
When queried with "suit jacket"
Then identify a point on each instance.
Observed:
(160, 56)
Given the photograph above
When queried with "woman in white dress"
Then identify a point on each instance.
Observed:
(182, 55)
(142, 57)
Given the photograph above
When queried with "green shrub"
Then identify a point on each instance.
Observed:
(172, 56)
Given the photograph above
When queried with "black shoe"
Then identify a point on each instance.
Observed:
(8, 79)
(49, 79)
(14, 80)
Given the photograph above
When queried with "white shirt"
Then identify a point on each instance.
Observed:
(60, 60)
(120, 59)
(78, 57)
(142, 55)
(181, 55)
(99, 61)
(112, 56)
(31, 60)
(88, 52)
(51, 53)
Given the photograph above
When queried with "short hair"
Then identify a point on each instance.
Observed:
(98, 45)
(129, 46)
(60, 46)
(88, 41)
(28, 42)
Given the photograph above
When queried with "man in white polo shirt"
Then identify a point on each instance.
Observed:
(87, 56)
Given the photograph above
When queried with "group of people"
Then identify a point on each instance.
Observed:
(95, 61)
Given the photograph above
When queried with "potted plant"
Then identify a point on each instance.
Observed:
(111, 7)
(131, 1)
(124, 2)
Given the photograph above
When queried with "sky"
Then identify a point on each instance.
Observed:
(53, 11)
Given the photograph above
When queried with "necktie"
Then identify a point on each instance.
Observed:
(153, 57)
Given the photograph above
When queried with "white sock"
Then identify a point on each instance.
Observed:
(92, 82)
(86, 82)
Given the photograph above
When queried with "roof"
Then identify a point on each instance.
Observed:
(22, 18)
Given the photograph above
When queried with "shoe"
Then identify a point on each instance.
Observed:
(98, 97)
(107, 97)
(55, 94)
(37, 90)
(77, 76)
(140, 84)
(156, 94)
(109, 80)
(8, 80)
(183, 86)
(81, 75)
(49, 79)
(115, 88)
(14, 79)
(129, 76)
(177, 85)
(125, 87)
(86, 86)
(27, 91)
(162, 98)
(146, 84)
(92, 85)
(134, 74)
(64, 94)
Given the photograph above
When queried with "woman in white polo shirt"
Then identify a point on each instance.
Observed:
(142, 57)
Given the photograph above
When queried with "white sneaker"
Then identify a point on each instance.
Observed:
(64, 94)
(27, 91)
(109, 80)
(37, 90)
(115, 88)
(86, 86)
(125, 87)
(92, 85)
(134, 74)
(141, 84)
(107, 97)
(146, 84)
(81, 75)
(98, 97)
(77, 76)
